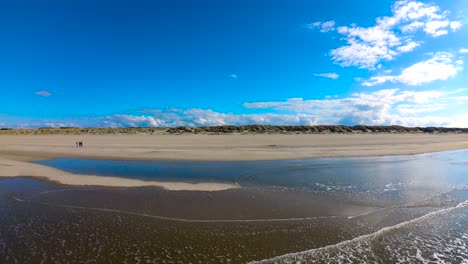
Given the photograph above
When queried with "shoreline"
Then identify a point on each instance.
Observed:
(71, 179)
(12, 168)
(113, 158)
(16, 152)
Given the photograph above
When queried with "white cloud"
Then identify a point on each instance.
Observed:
(367, 47)
(408, 109)
(390, 36)
(328, 26)
(132, 121)
(41, 124)
(439, 67)
(324, 27)
(437, 28)
(43, 93)
(463, 51)
(234, 76)
(410, 46)
(410, 28)
(331, 75)
(384, 107)
(314, 25)
(55, 124)
(202, 117)
(455, 25)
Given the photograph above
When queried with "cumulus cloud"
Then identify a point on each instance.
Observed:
(409, 46)
(390, 36)
(437, 28)
(384, 107)
(131, 121)
(43, 93)
(440, 67)
(463, 51)
(408, 109)
(412, 27)
(29, 122)
(455, 25)
(331, 75)
(234, 76)
(323, 26)
(43, 124)
(55, 124)
(204, 117)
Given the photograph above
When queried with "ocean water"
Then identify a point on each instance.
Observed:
(437, 237)
(403, 209)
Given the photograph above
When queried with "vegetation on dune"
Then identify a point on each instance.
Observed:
(250, 129)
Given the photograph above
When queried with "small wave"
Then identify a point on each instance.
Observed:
(194, 220)
(399, 206)
(292, 256)
(18, 199)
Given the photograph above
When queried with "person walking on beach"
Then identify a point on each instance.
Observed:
(77, 144)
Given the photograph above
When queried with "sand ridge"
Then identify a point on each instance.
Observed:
(12, 168)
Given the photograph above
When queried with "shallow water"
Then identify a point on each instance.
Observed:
(378, 180)
(407, 209)
(437, 237)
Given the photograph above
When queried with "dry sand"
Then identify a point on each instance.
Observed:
(16, 150)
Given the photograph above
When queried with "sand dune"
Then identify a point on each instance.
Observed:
(228, 129)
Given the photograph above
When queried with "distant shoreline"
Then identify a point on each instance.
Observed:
(248, 129)
(12, 168)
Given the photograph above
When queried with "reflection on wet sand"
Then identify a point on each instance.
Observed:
(46, 222)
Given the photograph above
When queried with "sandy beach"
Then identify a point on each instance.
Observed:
(16, 151)
(225, 147)
(12, 168)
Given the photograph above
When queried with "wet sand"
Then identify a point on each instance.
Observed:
(329, 210)
(45, 222)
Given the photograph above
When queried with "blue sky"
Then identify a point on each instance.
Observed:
(210, 62)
